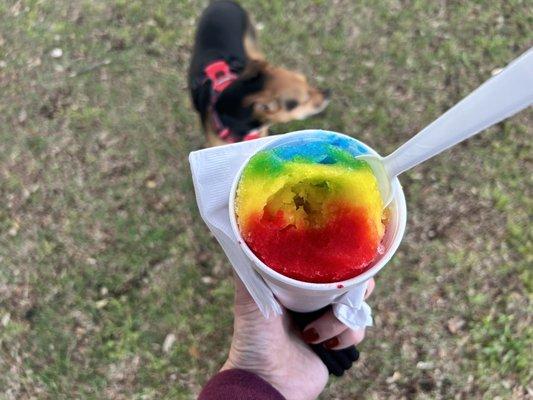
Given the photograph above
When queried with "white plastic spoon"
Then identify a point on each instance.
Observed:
(499, 98)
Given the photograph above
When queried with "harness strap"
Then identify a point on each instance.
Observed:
(221, 76)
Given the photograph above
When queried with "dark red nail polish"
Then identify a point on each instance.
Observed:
(310, 335)
(331, 343)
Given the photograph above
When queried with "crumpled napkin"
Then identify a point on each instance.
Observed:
(213, 171)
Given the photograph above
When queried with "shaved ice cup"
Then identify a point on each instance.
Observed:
(306, 296)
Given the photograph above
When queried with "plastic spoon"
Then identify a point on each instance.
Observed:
(499, 98)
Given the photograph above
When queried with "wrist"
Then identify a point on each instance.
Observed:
(228, 365)
(260, 372)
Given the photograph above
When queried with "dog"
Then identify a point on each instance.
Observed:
(236, 92)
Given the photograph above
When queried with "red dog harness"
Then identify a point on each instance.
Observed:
(220, 75)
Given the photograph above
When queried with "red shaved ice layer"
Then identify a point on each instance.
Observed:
(340, 250)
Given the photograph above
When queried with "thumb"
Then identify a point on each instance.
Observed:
(243, 300)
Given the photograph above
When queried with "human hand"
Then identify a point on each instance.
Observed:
(275, 350)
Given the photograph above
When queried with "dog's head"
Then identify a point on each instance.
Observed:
(286, 96)
(264, 95)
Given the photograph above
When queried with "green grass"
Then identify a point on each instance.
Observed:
(103, 253)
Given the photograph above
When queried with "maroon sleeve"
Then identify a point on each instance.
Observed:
(237, 384)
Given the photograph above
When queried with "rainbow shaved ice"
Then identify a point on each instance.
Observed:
(311, 211)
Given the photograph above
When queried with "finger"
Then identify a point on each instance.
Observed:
(370, 287)
(347, 338)
(323, 328)
(242, 296)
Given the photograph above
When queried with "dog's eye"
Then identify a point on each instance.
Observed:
(291, 104)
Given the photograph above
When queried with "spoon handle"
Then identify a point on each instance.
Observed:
(500, 97)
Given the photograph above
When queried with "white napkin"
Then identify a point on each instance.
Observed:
(213, 171)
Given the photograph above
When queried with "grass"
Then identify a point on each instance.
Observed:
(103, 254)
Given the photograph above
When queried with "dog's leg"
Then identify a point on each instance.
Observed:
(263, 131)
(250, 42)
(250, 46)
(213, 140)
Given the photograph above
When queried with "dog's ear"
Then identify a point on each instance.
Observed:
(252, 80)
(254, 69)
(231, 106)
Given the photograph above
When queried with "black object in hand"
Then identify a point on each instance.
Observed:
(337, 361)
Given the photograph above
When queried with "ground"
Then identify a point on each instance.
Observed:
(112, 287)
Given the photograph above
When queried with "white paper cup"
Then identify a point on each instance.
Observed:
(306, 296)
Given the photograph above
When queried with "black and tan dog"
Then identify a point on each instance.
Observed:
(236, 92)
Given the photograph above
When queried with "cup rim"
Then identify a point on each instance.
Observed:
(398, 198)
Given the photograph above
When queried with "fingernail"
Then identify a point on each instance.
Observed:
(331, 343)
(310, 335)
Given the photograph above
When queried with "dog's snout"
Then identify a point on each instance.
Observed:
(326, 93)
